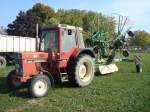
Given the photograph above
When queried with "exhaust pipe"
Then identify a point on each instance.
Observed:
(37, 38)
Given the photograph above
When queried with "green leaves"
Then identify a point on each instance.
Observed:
(25, 22)
(88, 20)
(141, 38)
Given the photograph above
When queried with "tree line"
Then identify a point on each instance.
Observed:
(141, 38)
(25, 22)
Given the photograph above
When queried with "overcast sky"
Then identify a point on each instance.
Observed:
(137, 10)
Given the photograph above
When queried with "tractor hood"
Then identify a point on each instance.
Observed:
(35, 56)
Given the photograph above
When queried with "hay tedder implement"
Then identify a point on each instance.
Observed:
(62, 55)
(105, 48)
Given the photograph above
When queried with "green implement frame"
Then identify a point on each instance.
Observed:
(104, 48)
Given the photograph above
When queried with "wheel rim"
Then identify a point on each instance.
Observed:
(40, 87)
(84, 73)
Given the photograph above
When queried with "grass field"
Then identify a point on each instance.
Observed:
(124, 91)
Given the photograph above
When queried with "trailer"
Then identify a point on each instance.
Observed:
(9, 45)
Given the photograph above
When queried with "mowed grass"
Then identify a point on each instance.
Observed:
(123, 91)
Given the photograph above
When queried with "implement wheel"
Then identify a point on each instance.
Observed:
(81, 71)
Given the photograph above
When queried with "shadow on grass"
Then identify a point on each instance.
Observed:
(4, 89)
(66, 84)
(127, 60)
(23, 92)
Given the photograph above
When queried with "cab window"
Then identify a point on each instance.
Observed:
(68, 40)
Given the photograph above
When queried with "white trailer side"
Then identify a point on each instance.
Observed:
(17, 44)
(11, 44)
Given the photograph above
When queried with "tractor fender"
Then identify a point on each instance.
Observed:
(79, 52)
(88, 51)
(50, 77)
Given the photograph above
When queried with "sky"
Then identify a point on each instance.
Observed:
(138, 11)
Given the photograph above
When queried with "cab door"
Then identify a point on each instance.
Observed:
(68, 43)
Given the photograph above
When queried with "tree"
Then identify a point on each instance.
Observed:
(71, 17)
(86, 20)
(25, 22)
(53, 21)
(24, 25)
(141, 38)
(44, 12)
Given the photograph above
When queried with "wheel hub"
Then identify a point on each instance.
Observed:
(40, 87)
(82, 71)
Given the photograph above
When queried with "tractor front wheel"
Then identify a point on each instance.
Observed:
(13, 82)
(81, 71)
(39, 86)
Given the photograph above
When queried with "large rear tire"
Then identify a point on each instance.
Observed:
(12, 82)
(39, 86)
(3, 62)
(81, 71)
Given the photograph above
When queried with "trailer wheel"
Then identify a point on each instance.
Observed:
(12, 82)
(2, 62)
(81, 71)
(39, 86)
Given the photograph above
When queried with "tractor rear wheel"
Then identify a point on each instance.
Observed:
(2, 62)
(39, 86)
(12, 82)
(81, 71)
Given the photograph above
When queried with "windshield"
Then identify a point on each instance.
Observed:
(49, 40)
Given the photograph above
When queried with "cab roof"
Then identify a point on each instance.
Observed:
(63, 26)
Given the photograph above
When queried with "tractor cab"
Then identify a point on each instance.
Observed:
(61, 42)
(61, 38)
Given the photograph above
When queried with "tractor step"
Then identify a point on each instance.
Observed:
(64, 79)
(106, 69)
(64, 73)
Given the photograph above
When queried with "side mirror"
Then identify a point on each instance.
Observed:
(69, 32)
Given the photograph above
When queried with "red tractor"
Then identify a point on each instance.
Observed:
(61, 54)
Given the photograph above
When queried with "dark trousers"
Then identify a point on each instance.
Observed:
(138, 68)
